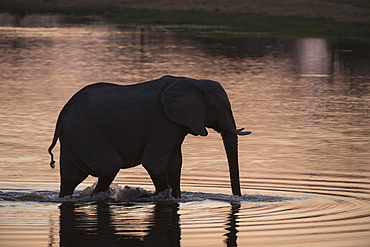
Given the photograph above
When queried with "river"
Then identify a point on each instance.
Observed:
(305, 169)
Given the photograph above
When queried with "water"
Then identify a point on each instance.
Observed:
(304, 170)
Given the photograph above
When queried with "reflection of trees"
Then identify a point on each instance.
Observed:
(317, 56)
(240, 48)
(352, 57)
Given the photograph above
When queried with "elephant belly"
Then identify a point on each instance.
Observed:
(130, 154)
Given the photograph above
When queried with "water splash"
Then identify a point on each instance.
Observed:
(117, 193)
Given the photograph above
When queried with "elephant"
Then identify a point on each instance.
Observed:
(106, 127)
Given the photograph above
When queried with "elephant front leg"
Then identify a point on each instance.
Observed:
(165, 173)
(174, 172)
(156, 166)
(161, 184)
(162, 158)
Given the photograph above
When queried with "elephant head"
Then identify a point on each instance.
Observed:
(198, 104)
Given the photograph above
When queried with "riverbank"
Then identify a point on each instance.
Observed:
(313, 18)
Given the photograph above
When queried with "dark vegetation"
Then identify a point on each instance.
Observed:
(216, 18)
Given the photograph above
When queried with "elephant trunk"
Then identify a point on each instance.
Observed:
(230, 140)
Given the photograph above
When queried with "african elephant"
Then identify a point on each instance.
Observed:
(106, 127)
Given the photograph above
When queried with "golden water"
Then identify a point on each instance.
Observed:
(307, 102)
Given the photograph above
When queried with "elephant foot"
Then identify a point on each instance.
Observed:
(64, 194)
(165, 194)
(176, 194)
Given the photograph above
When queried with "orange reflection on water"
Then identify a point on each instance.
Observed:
(305, 100)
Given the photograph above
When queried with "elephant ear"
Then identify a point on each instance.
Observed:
(183, 103)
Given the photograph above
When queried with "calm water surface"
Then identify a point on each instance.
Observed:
(305, 170)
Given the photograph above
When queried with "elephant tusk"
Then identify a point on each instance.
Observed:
(241, 132)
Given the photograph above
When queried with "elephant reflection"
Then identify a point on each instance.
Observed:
(78, 228)
(101, 227)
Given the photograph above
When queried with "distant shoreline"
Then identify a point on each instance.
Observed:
(333, 10)
(286, 18)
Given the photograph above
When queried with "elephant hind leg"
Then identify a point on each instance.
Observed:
(110, 164)
(67, 187)
(70, 175)
(103, 183)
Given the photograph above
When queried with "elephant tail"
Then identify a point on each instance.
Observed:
(57, 133)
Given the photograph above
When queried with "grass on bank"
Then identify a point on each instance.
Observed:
(231, 25)
(212, 24)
